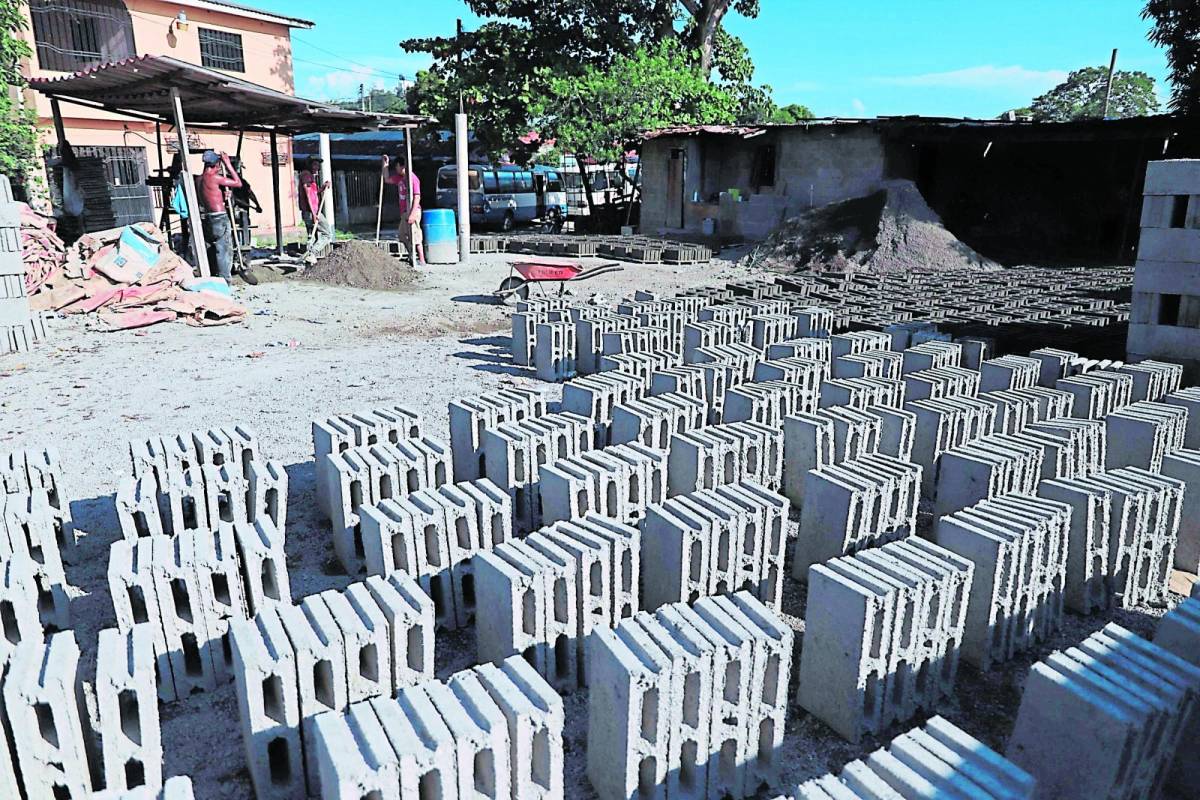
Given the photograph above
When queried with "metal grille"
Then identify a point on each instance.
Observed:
(221, 50)
(125, 168)
(76, 34)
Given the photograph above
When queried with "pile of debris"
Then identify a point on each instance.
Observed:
(891, 230)
(129, 276)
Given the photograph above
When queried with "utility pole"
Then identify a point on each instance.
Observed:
(362, 105)
(1112, 68)
(462, 161)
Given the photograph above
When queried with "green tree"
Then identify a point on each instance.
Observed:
(1081, 96)
(18, 124)
(792, 112)
(1177, 28)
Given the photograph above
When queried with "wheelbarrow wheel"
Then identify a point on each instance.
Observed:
(513, 288)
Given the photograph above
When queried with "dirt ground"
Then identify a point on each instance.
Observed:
(308, 350)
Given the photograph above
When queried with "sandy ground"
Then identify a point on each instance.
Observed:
(306, 351)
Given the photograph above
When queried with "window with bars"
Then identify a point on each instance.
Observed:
(71, 35)
(222, 50)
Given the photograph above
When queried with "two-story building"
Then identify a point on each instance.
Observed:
(70, 36)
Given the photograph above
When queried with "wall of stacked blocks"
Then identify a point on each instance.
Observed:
(633, 542)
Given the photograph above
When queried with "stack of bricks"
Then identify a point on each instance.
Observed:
(595, 396)
(619, 482)
(1179, 633)
(20, 328)
(491, 731)
(1019, 548)
(712, 542)
(860, 503)
(991, 466)
(292, 663)
(1107, 718)
(471, 416)
(653, 420)
(882, 635)
(689, 702)
(341, 432)
(432, 535)
(935, 760)
(1142, 433)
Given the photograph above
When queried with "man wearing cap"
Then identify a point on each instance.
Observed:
(409, 188)
(214, 213)
(311, 194)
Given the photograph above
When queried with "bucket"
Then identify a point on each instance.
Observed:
(441, 236)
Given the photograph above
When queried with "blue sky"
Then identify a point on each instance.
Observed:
(962, 58)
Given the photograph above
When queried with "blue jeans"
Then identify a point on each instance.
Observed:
(217, 233)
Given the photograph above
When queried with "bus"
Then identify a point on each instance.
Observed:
(505, 196)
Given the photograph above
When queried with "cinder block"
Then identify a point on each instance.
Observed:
(470, 416)
(1188, 398)
(268, 493)
(355, 756)
(365, 641)
(131, 586)
(263, 564)
(25, 471)
(127, 704)
(321, 677)
(408, 613)
(1087, 568)
(1142, 433)
(182, 613)
(18, 604)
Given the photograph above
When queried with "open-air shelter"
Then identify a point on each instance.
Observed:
(165, 90)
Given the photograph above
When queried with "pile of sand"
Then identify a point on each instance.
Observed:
(363, 266)
(891, 230)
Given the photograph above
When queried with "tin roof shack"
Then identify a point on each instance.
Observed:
(1018, 192)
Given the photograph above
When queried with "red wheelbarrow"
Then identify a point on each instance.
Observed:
(524, 274)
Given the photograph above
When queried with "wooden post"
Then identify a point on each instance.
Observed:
(64, 147)
(275, 192)
(1112, 68)
(412, 251)
(189, 189)
(326, 210)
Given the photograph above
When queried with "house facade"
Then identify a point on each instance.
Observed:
(68, 36)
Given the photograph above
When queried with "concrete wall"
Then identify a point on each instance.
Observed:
(813, 166)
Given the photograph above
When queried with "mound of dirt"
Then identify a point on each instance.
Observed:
(892, 230)
(363, 266)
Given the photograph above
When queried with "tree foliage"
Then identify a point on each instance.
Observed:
(603, 110)
(1081, 96)
(1177, 28)
(18, 124)
(792, 112)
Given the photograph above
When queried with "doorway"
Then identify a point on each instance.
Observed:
(676, 176)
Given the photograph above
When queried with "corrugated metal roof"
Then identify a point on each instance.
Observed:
(250, 11)
(141, 87)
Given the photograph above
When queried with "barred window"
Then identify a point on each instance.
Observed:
(73, 35)
(221, 50)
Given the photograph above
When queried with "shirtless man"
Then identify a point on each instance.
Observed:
(215, 216)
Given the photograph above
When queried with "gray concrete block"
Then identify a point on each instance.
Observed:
(127, 705)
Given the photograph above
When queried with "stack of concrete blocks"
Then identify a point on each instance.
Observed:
(712, 542)
(931, 355)
(739, 360)
(1153, 380)
(1184, 465)
(20, 328)
(595, 397)
(1054, 364)
(708, 382)
(25, 471)
(1188, 398)
(882, 635)
(177, 788)
(335, 434)
(47, 720)
(814, 321)
(1106, 718)
(935, 760)
(942, 425)
(806, 373)
(589, 338)
(294, 663)
(618, 482)
(471, 416)
(494, 731)
(1142, 433)
(127, 709)
(862, 393)
(767, 402)
(860, 503)
(432, 535)
(653, 420)
(554, 351)
(991, 466)
(524, 332)
(1019, 548)
(932, 384)
(364, 476)
(515, 451)
(1009, 372)
(1179, 633)
(1097, 393)
(719, 454)
(29, 533)
(689, 702)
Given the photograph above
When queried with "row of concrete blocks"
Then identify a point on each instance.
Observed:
(1184, 465)
(332, 435)
(471, 416)
(1107, 718)
(690, 702)
(935, 760)
(1019, 548)
(433, 535)
(359, 477)
(540, 597)
(617, 482)
(859, 503)
(189, 588)
(991, 466)
(202, 498)
(293, 663)
(161, 457)
(30, 534)
(714, 455)
(882, 635)
(1143, 432)
(24, 471)
(712, 542)
(1179, 633)
(1124, 525)
(493, 731)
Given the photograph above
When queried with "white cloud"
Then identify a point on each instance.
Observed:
(860, 108)
(316, 80)
(985, 76)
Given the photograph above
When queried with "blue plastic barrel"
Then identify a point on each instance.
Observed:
(441, 235)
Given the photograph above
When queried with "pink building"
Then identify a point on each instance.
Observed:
(72, 35)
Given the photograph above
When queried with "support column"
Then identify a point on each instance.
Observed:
(275, 192)
(327, 177)
(189, 189)
(464, 195)
(412, 251)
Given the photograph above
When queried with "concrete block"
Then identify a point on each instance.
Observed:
(1142, 433)
(131, 586)
(366, 640)
(137, 507)
(182, 613)
(127, 704)
(19, 616)
(320, 654)
(470, 416)
(263, 564)
(355, 756)
(268, 493)
(987, 467)
(1184, 465)
(554, 351)
(1009, 372)
(1087, 569)
(24, 471)
(625, 548)
(1188, 398)
(219, 592)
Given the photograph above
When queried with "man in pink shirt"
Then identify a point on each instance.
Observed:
(311, 194)
(409, 188)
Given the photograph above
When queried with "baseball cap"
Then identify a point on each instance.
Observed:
(211, 157)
